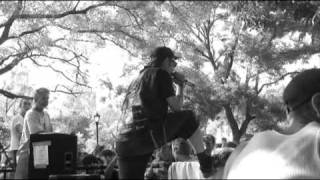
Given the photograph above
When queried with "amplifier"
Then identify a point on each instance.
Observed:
(52, 153)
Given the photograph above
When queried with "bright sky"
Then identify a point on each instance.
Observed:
(106, 63)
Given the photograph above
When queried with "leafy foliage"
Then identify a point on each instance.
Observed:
(245, 43)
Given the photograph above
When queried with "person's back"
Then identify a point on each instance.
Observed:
(272, 155)
(294, 152)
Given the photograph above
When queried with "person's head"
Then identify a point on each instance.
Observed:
(164, 58)
(24, 106)
(302, 97)
(90, 161)
(223, 140)
(165, 153)
(41, 98)
(209, 142)
(231, 144)
(181, 150)
(220, 158)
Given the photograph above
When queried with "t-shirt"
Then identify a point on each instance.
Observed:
(15, 135)
(155, 87)
(33, 117)
(271, 155)
(185, 170)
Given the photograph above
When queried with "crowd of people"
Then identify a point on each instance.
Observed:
(151, 126)
(161, 140)
(102, 161)
(162, 163)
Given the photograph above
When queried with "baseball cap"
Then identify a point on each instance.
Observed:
(301, 88)
(163, 52)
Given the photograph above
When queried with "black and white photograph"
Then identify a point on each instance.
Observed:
(162, 89)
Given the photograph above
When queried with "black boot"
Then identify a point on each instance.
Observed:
(206, 164)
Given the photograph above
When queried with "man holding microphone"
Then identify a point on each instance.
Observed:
(151, 125)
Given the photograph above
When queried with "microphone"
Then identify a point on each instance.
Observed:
(186, 82)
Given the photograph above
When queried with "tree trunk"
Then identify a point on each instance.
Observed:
(236, 131)
(233, 124)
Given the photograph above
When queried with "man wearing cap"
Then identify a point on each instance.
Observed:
(293, 153)
(149, 124)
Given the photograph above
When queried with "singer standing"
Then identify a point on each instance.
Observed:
(151, 125)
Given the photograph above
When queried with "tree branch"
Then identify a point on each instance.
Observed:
(59, 72)
(13, 63)
(274, 82)
(27, 32)
(61, 15)
(230, 118)
(115, 43)
(4, 59)
(231, 57)
(136, 19)
(57, 58)
(7, 25)
(189, 26)
(207, 44)
(83, 30)
(11, 95)
(67, 91)
(75, 7)
(248, 118)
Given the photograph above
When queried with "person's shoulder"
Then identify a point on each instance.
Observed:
(30, 113)
(16, 118)
(161, 71)
(157, 70)
(233, 156)
(262, 135)
(46, 112)
(163, 74)
(313, 125)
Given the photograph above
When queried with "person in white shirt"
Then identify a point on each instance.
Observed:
(36, 120)
(294, 152)
(16, 128)
(186, 165)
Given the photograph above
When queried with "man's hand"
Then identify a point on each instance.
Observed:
(178, 78)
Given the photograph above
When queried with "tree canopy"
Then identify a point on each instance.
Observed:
(232, 50)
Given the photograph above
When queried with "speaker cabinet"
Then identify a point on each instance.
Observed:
(52, 153)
